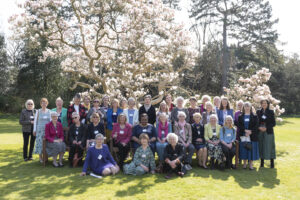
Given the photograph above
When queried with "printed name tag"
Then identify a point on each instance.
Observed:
(198, 132)
(31, 117)
(86, 111)
(100, 156)
(96, 132)
(181, 131)
(264, 117)
(122, 132)
(76, 132)
(214, 133)
(228, 134)
(247, 120)
(162, 132)
(130, 115)
(114, 113)
(144, 130)
(144, 156)
(45, 117)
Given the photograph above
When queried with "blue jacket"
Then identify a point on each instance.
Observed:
(109, 117)
(220, 116)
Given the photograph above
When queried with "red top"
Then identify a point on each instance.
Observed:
(123, 135)
(51, 131)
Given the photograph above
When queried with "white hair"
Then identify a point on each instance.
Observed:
(131, 99)
(172, 135)
(179, 98)
(229, 117)
(209, 103)
(205, 96)
(53, 114)
(100, 136)
(216, 97)
(181, 113)
(248, 104)
(29, 101)
(59, 99)
(214, 116)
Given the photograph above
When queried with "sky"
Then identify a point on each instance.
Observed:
(286, 10)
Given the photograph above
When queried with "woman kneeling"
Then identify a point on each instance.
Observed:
(99, 159)
(143, 160)
(174, 156)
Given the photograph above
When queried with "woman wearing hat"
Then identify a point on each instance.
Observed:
(54, 135)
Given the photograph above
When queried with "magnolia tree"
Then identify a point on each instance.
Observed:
(122, 47)
(254, 89)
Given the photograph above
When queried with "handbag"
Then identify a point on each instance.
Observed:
(248, 146)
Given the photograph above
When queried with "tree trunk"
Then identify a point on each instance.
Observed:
(225, 55)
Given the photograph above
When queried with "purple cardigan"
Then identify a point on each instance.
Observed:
(125, 136)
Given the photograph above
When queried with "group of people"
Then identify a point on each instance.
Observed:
(108, 130)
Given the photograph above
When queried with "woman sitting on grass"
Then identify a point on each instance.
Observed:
(99, 159)
(143, 160)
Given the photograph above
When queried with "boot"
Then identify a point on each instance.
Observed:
(212, 163)
(262, 162)
(272, 163)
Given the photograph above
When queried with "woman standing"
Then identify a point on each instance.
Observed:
(248, 124)
(121, 135)
(238, 112)
(212, 138)
(131, 113)
(112, 116)
(143, 160)
(41, 118)
(193, 109)
(27, 121)
(266, 137)
(206, 114)
(204, 100)
(224, 110)
(55, 140)
(123, 103)
(96, 109)
(163, 108)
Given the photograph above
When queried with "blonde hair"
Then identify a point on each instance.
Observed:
(115, 101)
(121, 115)
(44, 100)
(229, 117)
(197, 114)
(29, 101)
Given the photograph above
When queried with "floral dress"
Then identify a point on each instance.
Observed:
(42, 118)
(215, 151)
(141, 156)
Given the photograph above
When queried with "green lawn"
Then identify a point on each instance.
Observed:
(29, 180)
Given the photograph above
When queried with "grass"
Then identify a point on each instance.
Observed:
(29, 180)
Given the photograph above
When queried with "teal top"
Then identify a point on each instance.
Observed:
(63, 117)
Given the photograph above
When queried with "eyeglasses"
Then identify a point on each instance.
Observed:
(96, 101)
(29, 104)
(74, 117)
(95, 117)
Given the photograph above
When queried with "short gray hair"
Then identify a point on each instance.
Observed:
(172, 135)
(179, 98)
(181, 113)
(29, 101)
(59, 99)
(214, 116)
(100, 136)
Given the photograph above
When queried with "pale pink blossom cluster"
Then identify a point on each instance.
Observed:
(254, 89)
(120, 44)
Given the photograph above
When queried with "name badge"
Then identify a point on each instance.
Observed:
(121, 132)
(31, 117)
(264, 117)
(228, 135)
(99, 157)
(114, 113)
(247, 120)
(45, 117)
(144, 156)
(181, 131)
(76, 132)
(86, 111)
(214, 133)
(162, 132)
(130, 115)
(198, 132)
(96, 132)
(144, 130)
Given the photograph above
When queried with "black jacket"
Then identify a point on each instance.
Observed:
(92, 131)
(173, 154)
(196, 135)
(81, 134)
(151, 114)
(269, 120)
(253, 126)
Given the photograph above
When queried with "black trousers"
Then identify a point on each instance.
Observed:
(168, 169)
(74, 148)
(229, 154)
(26, 136)
(122, 153)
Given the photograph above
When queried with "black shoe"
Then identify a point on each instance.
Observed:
(212, 164)
(60, 165)
(25, 159)
(222, 166)
(262, 162)
(272, 163)
(30, 159)
(233, 167)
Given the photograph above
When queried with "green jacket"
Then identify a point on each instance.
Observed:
(63, 118)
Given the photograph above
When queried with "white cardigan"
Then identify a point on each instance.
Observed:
(135, 116)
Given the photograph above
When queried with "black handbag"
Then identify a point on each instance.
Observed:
(248, 146)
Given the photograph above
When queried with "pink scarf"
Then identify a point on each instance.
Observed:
(181, 126)
(162, 127)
